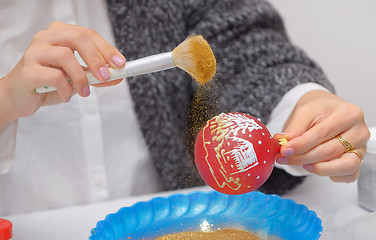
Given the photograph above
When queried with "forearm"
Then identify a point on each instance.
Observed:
(8, 127)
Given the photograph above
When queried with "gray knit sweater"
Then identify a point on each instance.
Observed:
(256, 66)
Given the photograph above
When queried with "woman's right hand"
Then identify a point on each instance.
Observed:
(49, 61)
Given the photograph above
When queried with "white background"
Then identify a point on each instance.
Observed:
(340, 35)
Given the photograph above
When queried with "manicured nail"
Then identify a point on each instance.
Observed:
(86, 91)
(287, 152)
(282, 160)
(105, 74)
(118, 61)
(68, 100)
(282, 133)
(308, 167)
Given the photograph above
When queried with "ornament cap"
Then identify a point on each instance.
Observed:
(282, 141)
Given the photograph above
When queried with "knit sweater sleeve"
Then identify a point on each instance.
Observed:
(257, 64)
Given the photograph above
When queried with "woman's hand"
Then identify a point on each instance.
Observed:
(49, 61)
(312, 128)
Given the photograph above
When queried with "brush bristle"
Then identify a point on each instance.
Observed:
(195, 56)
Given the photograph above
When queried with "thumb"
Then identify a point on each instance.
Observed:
(298, 123)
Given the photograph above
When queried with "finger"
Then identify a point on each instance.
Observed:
(59, 25)
(347, 164)
(64, 58)
(108, 84)
(329, 150)
(78, 39)
(347, 179)
(333, 148)
(56, 78)
(322, 130)
(53, 98)
(357, 136)
(112, 56)
(300, 122)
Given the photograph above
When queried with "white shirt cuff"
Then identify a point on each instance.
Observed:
(280, 115)
(8, 146)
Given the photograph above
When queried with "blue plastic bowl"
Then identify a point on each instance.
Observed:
(267, 215)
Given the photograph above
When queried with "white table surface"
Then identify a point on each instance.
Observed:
(334, 203)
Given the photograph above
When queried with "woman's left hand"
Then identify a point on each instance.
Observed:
(312, 130)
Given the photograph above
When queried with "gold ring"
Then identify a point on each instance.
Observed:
(345, 143)
(357, 152)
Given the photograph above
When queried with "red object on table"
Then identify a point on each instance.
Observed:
(5, 229)
(235, 153)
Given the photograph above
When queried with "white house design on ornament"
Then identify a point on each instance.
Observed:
(243, 155)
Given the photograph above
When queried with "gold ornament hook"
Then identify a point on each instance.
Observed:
(282, 141)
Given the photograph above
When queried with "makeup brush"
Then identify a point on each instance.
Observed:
(193, 55)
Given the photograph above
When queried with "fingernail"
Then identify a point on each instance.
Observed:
(105, 74)
(86, 91)
(282, 133)
(282, 160)
(68, 100)
(118, 61)
(288, 152)
(308, 167)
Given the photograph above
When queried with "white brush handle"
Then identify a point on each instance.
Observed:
(153, 63)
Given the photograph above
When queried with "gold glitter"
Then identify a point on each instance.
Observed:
(228, 234)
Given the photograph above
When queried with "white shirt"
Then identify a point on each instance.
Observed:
(90, 149)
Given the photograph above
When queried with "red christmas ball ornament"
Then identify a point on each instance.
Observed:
(235, 153)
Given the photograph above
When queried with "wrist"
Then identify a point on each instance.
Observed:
(8, 114)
